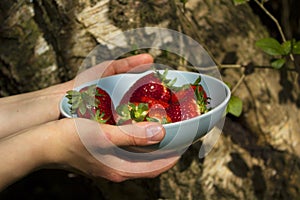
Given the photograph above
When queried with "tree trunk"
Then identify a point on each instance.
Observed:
(256, 157)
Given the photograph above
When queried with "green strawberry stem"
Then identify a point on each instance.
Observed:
(163, 78)
(132, 111)
(82, 100)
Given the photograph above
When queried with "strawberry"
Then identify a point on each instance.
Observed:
(157, 113)
(199, 90)
(188, 101)
(183, 111)
(92, 102)
(153, 86)
(131, 113)
(189, 91)
(154, 102)
(139, 111)
(202, 100)
(181, 93)
(154, 98)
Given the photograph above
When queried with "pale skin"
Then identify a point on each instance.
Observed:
(32, 135)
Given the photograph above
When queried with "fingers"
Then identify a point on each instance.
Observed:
(136, 63)
(141, 61)
(139, 134)
(98, 135)
(108, 160)
(136, 170)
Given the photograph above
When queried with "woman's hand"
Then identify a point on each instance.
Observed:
(33, 137)
(93, 149)
(99, 150)
(26, 110)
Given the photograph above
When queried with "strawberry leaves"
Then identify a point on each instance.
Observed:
(202, 99)
(82, 100)
(163, 78)
(132, 112)
(91, 102)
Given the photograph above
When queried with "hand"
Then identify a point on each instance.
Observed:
(39, 107)
(35, 138)
(58, 144)
(97, 150)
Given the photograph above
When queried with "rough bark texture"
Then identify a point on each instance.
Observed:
(257, 156)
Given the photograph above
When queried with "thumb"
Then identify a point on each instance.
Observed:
(139, 134)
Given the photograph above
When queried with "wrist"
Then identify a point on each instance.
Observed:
(20, 155)
(50, 98)
(31, 109)
(57, 140)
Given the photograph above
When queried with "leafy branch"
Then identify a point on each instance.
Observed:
(261, 5)
(271, 46)
(281, 53)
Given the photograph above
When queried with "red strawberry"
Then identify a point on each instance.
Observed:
(199, 89)
(154, 98)
(153, 102)
(131, 112)
(139, 111)
(93, 103)
(153, 85)
(158, 113)
(151, 90)
(189, 91)
(105, 106)
(181, 93)
(87, 113)
(188, 101)
(184, 110)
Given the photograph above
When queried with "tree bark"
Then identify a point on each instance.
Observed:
(256, 157)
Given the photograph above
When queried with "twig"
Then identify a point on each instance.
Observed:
(237, 66)
(238, 83)
(232, 66)
(261, 5)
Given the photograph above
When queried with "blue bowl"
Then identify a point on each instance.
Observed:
(179, 135)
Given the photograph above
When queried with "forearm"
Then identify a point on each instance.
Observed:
(57, 144)
(21, 154)
(42, 146)
(23, 111)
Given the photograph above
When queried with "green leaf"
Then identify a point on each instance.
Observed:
(228, 84)
(197, 81)
(235, 106)
(277, 64)
(91, 89)
(238, 2)
(73, 93)
(287, 47)
(151, 119)
(143, 107)
(85, 97)
(123, 110)
(271, 46)
(296, 48)
(76, 103)
(82, 108)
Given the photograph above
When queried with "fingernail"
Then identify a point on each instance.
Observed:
(154, 133)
